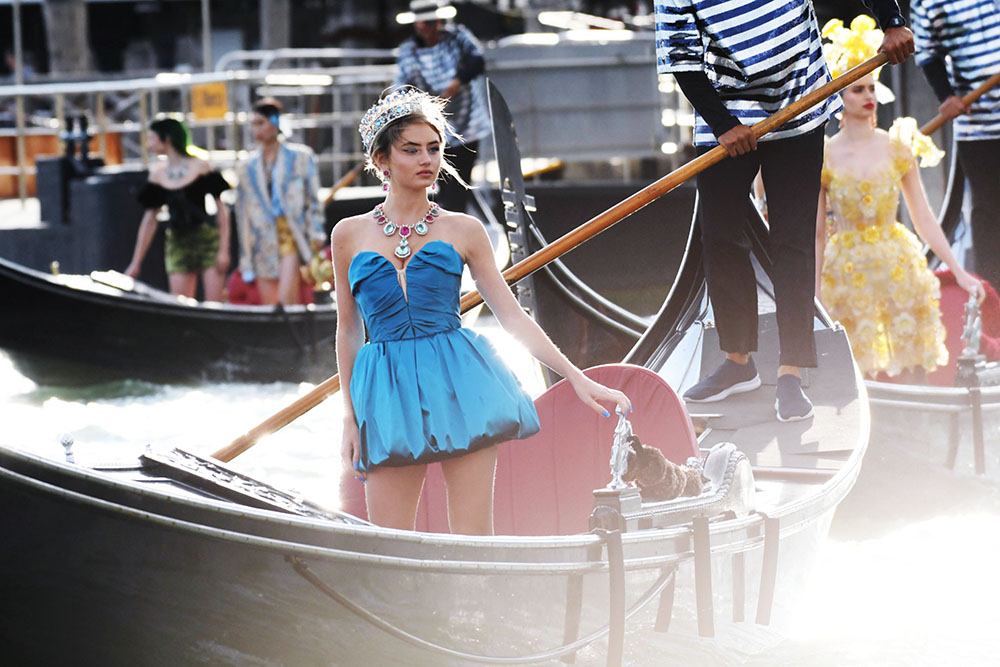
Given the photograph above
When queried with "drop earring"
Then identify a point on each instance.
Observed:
(385, 180)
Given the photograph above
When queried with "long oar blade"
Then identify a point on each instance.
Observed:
(567, 242)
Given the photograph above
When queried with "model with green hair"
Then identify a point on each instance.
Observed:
(197, 242)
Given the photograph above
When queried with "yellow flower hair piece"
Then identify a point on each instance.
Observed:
(849, 47)
(905, 130)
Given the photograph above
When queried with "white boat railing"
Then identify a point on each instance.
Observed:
(266, 59)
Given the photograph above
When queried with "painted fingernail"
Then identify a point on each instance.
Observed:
(356, 466)
(606, 413)
(631, 409)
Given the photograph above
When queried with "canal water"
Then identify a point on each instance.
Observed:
(909, 575)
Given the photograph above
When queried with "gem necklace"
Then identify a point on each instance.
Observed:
(389, 228)
(178, 172)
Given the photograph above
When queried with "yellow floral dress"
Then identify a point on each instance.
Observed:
(875, 277)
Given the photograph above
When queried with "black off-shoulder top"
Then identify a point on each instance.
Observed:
(186, 205)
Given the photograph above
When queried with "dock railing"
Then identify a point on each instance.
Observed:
(325, 93)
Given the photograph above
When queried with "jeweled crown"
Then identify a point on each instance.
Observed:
(397, 104)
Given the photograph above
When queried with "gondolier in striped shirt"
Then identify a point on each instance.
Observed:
(447, 61)
(958, 48)
(737, 62)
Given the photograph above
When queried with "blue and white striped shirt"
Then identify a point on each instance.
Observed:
(432, 68)
(760, 55)
(966, 35)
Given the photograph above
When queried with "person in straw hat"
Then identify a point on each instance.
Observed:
(871, 271)
(447, 61)
(738, 62)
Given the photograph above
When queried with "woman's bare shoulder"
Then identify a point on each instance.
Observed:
(347, 229)
(201, 166)
(157, 171)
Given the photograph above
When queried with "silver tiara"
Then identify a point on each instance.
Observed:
(396, 104)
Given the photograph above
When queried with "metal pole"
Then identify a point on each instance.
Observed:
(206, 37)
(206, 58)
(22, 176)
(102, 128)
(143, 128)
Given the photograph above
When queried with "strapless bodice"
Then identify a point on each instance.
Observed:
(425, 303)
(862, 202)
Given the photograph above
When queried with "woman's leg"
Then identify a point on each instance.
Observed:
(213, 283)
(469, 480)
(392, 494)
(288, 279)
(268, 288)
(183, 284)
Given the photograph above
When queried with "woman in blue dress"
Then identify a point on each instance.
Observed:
(423, 389)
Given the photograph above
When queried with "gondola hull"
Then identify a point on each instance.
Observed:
(70, 330)
(152, 569)
(958, 426)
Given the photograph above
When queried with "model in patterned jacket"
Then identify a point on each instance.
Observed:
(278, 212)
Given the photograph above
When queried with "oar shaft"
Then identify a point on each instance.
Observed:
(567, 242)
(658, 188)
(935, 123)
(344, 181)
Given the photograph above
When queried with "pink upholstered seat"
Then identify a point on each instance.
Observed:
(545, 484)
(953, 300)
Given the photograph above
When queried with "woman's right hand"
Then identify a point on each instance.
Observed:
(132, 271)
(350, 448)
(970, 284)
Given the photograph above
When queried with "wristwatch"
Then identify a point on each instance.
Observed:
(896, 21)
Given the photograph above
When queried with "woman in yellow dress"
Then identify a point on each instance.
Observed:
(871, 271)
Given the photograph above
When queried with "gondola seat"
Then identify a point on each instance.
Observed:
(545, 484)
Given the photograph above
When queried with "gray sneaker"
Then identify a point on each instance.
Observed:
(728, 379)
(790, 402)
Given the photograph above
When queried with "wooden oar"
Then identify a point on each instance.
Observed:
(935, 123)
(344, 181)
(564, 244)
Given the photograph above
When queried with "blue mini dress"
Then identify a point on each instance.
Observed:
(423, 388)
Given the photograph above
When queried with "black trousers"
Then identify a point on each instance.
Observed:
(791, 172)
(980, 161)
(452, 195)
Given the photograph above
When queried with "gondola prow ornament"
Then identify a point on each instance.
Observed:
(973, 369)
(619, 452)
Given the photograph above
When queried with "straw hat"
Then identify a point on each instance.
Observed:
(427, 10)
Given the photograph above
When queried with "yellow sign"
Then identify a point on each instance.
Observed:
(208, 101)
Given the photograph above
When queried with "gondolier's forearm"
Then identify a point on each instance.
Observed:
(702, 95)
(936, 74)
(885, 11)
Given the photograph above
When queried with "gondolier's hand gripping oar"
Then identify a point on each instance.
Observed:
(564, 244)
(935, 123)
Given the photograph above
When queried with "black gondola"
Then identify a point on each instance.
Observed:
(75, 329)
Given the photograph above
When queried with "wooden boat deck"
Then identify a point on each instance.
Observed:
(788, 455)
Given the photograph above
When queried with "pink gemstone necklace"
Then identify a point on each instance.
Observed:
(389, 228)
